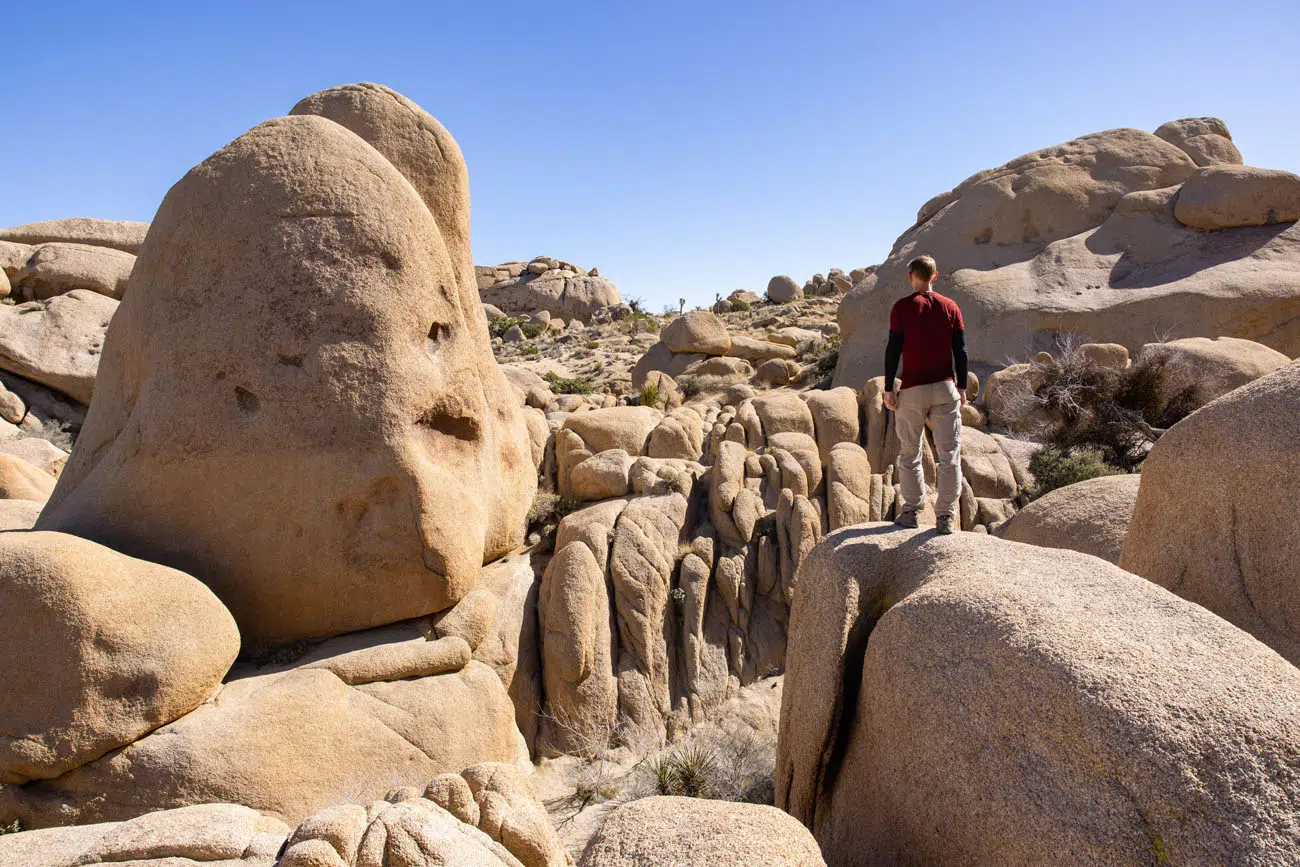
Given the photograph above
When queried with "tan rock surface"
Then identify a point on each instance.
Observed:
(697, 831)
(316, 434)
(20, 480)
(101, 650)
(57, 342)
(1228, 197)
(1205, 139)
(117, 234)
(697, 331)
(1213, 521)
(1214, 367)
(1007, 703)
(1090, 517)
(55, 269)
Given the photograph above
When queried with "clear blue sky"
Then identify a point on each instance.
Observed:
(686, 148)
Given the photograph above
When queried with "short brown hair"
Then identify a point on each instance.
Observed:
(923, 267)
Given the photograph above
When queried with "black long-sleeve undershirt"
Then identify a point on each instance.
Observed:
(894, 354)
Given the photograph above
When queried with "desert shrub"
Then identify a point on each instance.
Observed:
(638, 322)
(569, 385)
(549, 508)
(637, 304)
(740, 305)
(14, 827)
(499, 326)
(530, 349)
(731, 763)
(1118, 414)
(826, 354)
(704, 383)
(649, 395)
(593, 344)
(1055, 468)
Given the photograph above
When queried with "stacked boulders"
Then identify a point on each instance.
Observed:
(967, 700)
(557, 287)
(1120, 233)
(484, 816)
(698, 343)
(297, 406)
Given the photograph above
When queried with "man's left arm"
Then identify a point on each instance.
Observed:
(959, 362)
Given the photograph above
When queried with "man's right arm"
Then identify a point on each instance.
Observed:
(893, 354)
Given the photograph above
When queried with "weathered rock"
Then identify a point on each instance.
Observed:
(680, 435)
(1091, 517)
(1081, 239)
(725, 368)
(835, 418)
(1108, 356)
(782, 412)
(1212, 367)
(985, 466)
(601, 476)
(511, 646)
(1213, 522)
(697, 331)
(102, 649)
(1057, 723)
(757, 351)
(286, 740)
(55, 269)
(776, 371)
(617, 427)
(848, 486)
(698, 831)
(19, 514)
(117, 234)
(13, 258)
(782, 289)
(314, 434)
(510, 814)
(573, 297)
(1228, 197)
(1205, 139)
(20, 480)
(226, 834)
(57, 342)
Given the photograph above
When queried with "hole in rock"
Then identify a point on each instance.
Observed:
(247, 401)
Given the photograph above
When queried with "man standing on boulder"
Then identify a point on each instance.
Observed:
(927, 332)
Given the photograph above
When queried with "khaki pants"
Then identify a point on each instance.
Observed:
(940, 403)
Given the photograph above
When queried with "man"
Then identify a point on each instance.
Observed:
(927, 332)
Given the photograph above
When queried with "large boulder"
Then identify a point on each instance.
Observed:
(1205, 139)
(1091, 517)
(697, 331)
(1081, 238)
(1227, 197)
(1212, 368)
(230, 835)
(20, 480)
(332, 446)
(101, 649)
(783, 289)
(966, 700)
(1214, 520)
(117, 234)
(356, 715)
(662, 829)
(58, 342)
(54, 269)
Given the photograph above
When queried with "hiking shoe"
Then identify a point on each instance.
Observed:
(907, 518)
(944, 525)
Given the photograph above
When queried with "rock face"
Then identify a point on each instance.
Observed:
(20, 480)
(101, 650)
(1205, 139)
(1213, 521)
(697, 331)
(696, 831)
(782, 289)
(54, 269)
(1228, 197)
(353, 717)
(965, 700)
(1091, 517)
(228, 834)
(116, 234)
(333, 446)
(1214, 367)
(1082, 238)
(57, 342)
(569, 296)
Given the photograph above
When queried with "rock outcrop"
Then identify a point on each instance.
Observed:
(115, 234)
(1085, 238)
(546, 284)
(56, 268)
(58, 342)
(1214, 520)
(968, 700)
(697, 831)
(1090, 517)
(333, 446)
(100, 650)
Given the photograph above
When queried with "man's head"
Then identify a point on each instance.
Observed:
(921, 272)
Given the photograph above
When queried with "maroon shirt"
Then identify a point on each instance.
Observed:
(927, 321)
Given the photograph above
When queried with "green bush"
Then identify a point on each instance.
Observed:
(499, 326)
(1055, 468)
(593, 344)
(740, 306)
(569, 385)
(649, 395)
(549, 508)
(530, 349)
(827, 355)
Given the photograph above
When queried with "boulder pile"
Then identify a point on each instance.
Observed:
(1121, 234)
(557, 287)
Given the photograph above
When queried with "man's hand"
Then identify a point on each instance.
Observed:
(891, 401)
(961, 394)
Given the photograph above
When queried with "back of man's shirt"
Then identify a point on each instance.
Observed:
(927, 321)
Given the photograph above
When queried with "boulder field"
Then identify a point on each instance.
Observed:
(323, 584)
